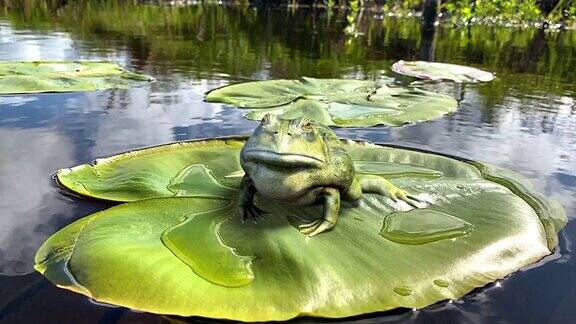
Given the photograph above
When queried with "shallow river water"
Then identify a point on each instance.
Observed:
(525, 120)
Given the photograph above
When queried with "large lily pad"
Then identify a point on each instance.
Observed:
(343, 103)
(60, 76)
(442, 71)
(186, 252)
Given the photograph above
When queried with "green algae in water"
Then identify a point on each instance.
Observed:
(421, 226)
(207, 255)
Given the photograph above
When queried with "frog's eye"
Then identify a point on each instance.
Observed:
(307, 126)
(265, 119)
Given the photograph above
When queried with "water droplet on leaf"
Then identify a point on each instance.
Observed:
(197, 179)
(403, 291)
(198, 243)
(441, 283)
(421, 226)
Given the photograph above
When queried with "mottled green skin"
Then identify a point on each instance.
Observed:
(290, 164)
(299, 162)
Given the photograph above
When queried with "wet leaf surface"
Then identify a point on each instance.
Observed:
(335, 102)
(61, 76)
(168, 253)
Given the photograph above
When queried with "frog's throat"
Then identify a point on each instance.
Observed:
(283, 159)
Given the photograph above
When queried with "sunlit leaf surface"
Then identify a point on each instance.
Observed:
(60, 76)
(186, 252)
(343, 103)
(442, 71)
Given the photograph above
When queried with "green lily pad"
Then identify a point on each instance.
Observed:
(59, 76)
(335, 102)
(158, 175)
(192, 255)
(442, 71)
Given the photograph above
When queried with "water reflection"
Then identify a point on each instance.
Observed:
(26, 204)
(21, 45)
(525, 120)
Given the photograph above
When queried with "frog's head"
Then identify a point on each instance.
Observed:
(290, 143)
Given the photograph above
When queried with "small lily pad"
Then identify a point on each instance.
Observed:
(441, 71)
(60, 76)
(171, 249)
(335, 102)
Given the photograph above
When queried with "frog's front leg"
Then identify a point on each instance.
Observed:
(331, 200)
(379, 185)
(246, 201)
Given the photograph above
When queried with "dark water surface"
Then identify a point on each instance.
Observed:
(525, 120)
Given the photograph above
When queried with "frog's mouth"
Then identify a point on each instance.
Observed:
(283, 159)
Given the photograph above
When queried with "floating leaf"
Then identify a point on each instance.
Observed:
(343, 103)
(442, 71)
(114, 178)
(56, 76)
(272, 93)
(193, 256)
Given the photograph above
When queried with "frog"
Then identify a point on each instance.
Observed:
(297, 161)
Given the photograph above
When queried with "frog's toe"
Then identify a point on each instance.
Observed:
(406, 197)
(324, 226)
(414, 198)
(243, 213)
(306, 226)
(316, 227)
(252, 212)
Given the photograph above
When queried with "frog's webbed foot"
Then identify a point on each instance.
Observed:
(315, 227)
(400, 194)
(247, 208)
(331, 201)
(250, 211)
(373, 184)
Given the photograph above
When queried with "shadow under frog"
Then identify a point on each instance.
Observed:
(299, 162)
